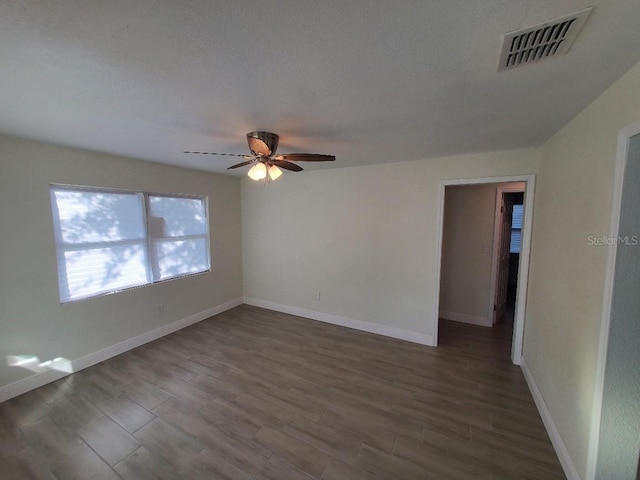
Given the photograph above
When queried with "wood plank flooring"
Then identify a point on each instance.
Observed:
(254, 394)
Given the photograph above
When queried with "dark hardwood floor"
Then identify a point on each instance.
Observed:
(254, 394)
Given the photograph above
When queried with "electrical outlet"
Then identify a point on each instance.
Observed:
(160, 309)
(318, 296)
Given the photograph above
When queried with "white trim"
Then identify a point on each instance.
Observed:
(480, 320)
(523, 268)
(624, 137)
(440, 233)
(523, 273)
(568, 466)
(481, 180)
(344, 322)
(30, 383)
(497, 223)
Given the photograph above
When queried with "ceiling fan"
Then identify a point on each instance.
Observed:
(266, 164)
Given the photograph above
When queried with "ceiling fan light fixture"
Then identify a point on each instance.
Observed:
(274, 172)
(258, 172)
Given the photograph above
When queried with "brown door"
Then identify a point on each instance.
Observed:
(502, 280)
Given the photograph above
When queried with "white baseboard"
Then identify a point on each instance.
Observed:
(568, 466)
(30, 383)
(344, 322)
(466, 318)
(38, 380)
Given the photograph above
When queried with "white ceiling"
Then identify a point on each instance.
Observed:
(369, 81)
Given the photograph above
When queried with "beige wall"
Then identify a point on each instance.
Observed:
(573, 201)
(32, 321)
(366, 237)
(467, 249)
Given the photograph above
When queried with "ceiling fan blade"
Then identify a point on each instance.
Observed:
(305, 157)
(286, 165)
(225, 154)
(241, 164)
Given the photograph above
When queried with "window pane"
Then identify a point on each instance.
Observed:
(516, 238)
(90, 272)
(87, 217)
(173, 258)
(181, 216)
(516, 221)
(102, 239)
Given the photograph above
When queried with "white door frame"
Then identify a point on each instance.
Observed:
(523, 269)
(624, 137)
(515, 188)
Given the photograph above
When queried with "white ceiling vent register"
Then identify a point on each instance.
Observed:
(543, 41)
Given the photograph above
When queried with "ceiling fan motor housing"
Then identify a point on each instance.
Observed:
(259, 140)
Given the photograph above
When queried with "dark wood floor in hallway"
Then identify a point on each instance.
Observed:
(255, 394)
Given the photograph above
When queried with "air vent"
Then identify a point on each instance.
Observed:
(543, 41)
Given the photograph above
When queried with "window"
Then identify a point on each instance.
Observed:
(109, 240)
(516, 229)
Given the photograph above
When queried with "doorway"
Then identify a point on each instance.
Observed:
(519, 271)
(507, 244)
(517, 200)
(614, 449)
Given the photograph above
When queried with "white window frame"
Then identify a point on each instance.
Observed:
(147, 241)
